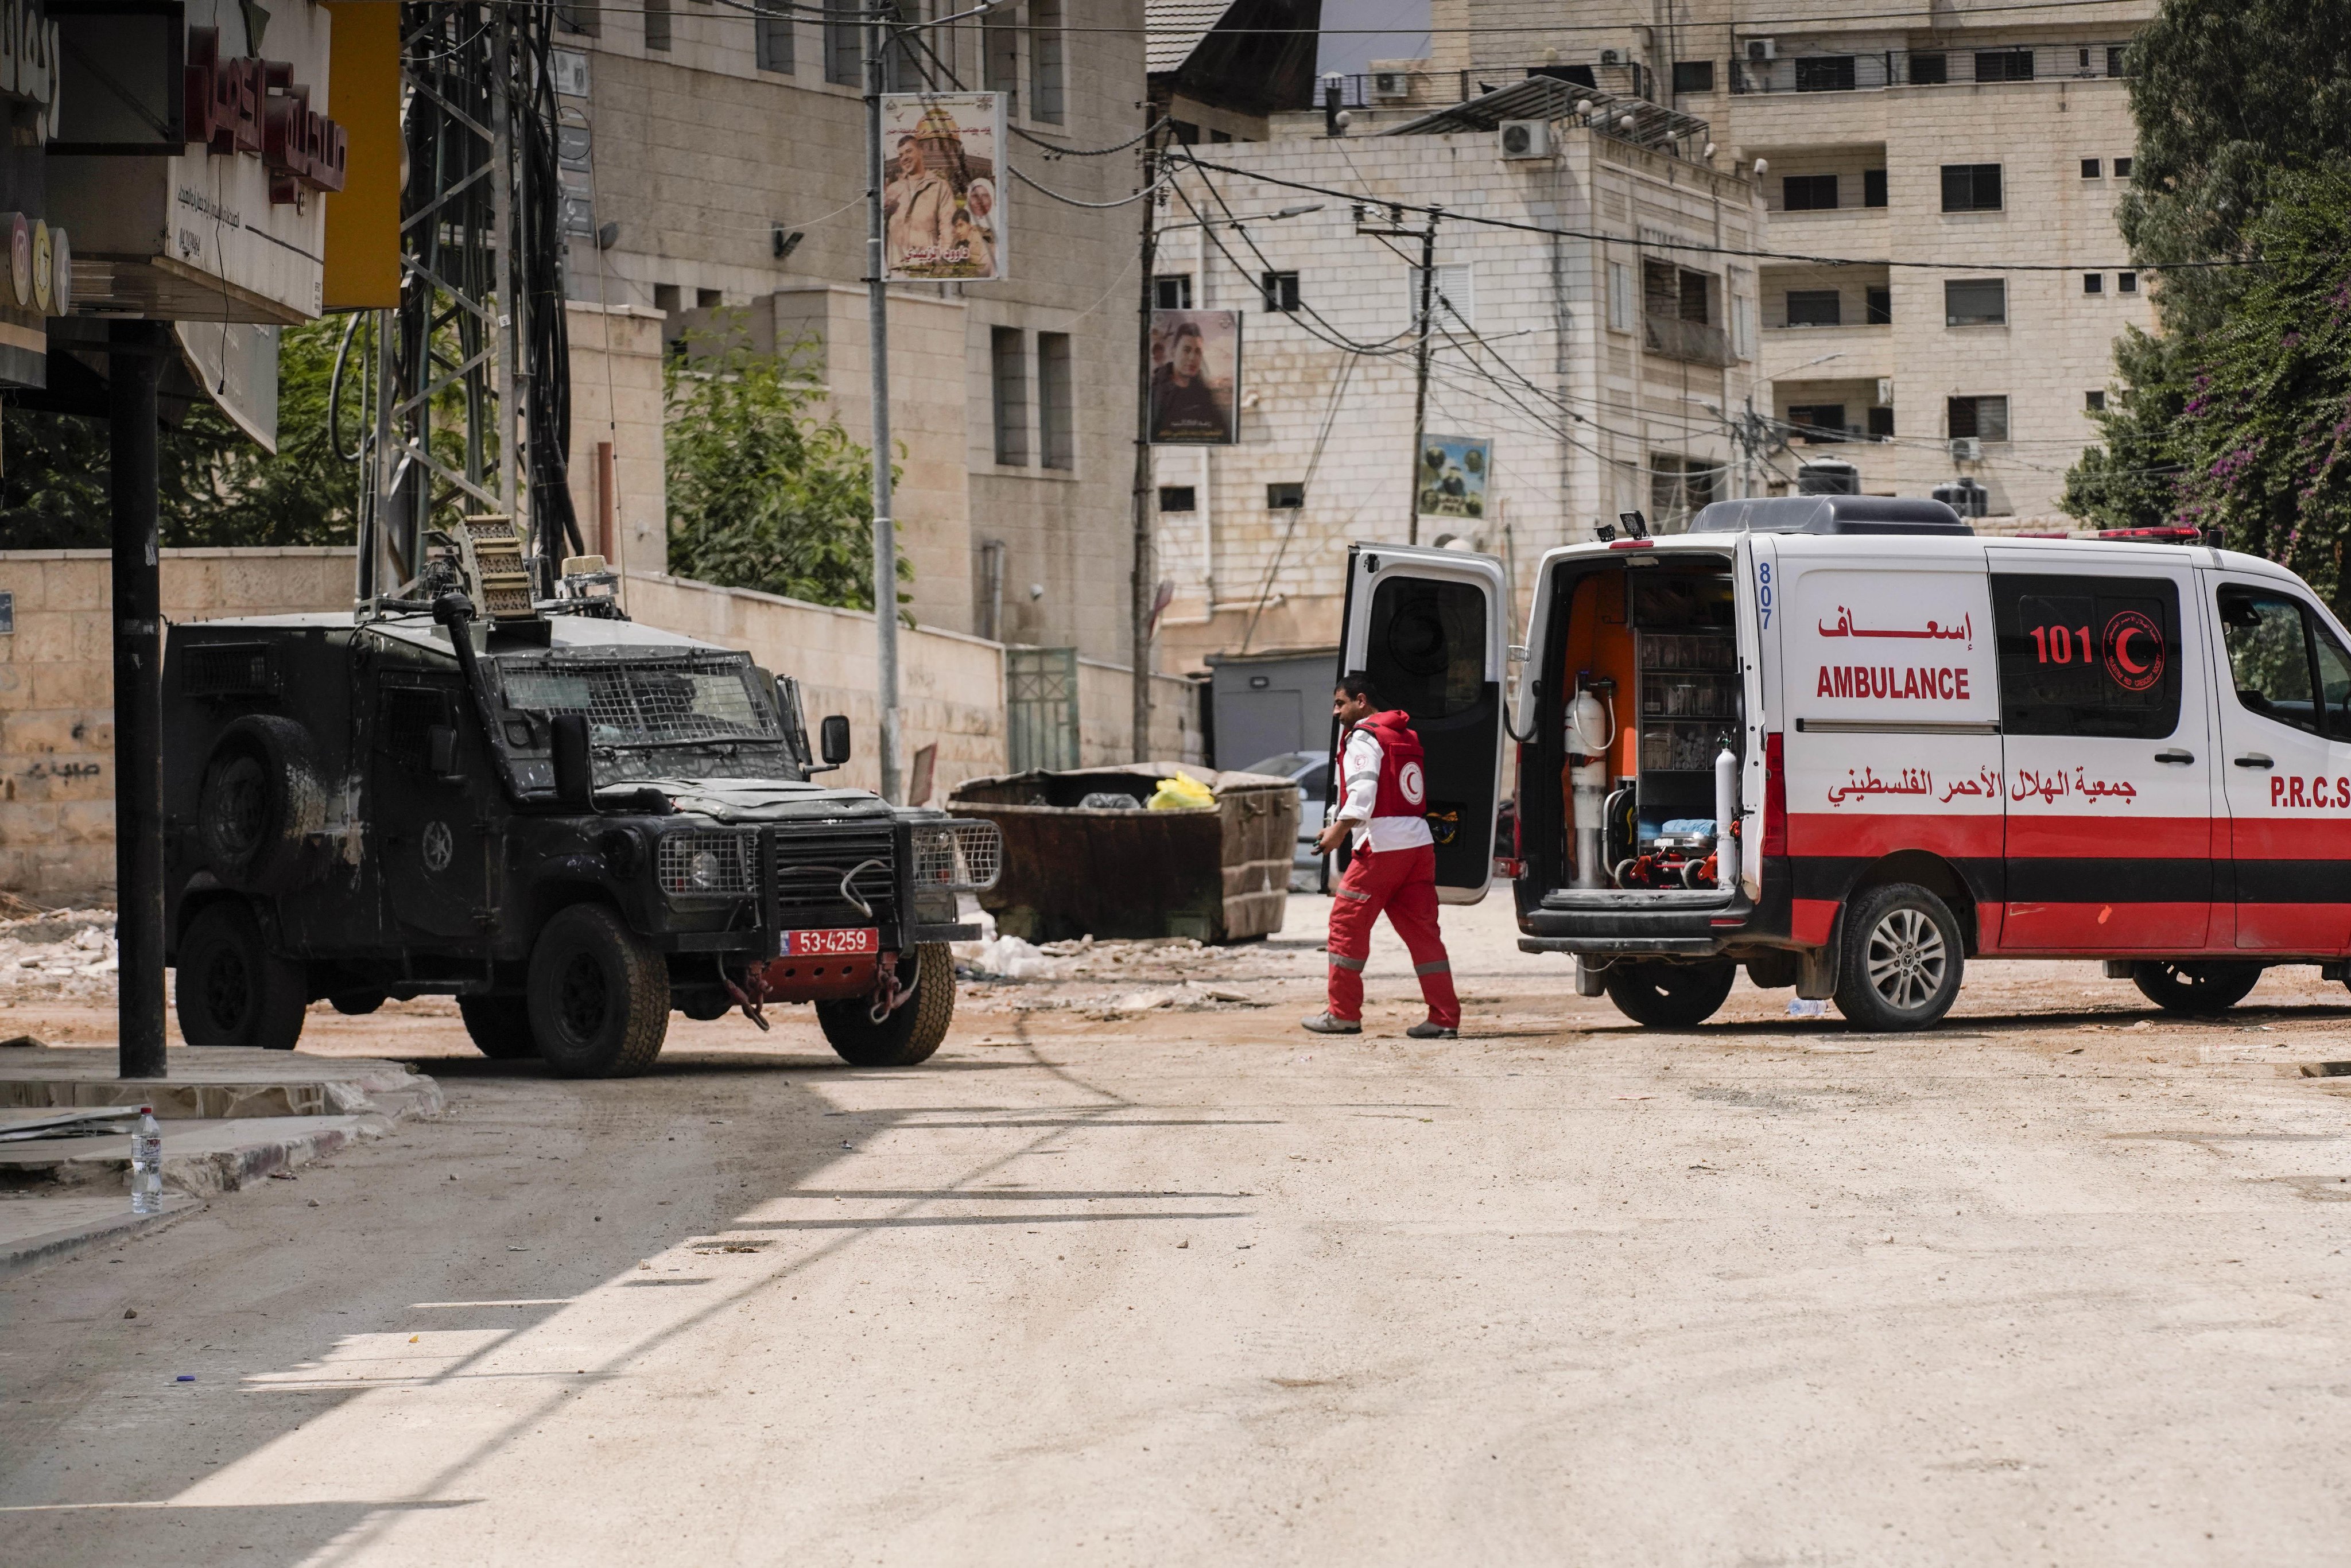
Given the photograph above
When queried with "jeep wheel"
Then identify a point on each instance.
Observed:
(2196, 989)
(907, 1036)
(230, 989)
(1902, 960)
(500, 1027)
(598, 995)
(1668, 996)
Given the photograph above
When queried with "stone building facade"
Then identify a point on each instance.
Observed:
(715, 163)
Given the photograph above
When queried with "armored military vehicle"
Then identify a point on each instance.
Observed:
(571, 823)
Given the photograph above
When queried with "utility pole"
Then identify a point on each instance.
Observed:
(1143, 585)
(877, 318)
(134, 367)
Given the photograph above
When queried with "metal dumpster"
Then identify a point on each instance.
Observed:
(1216, 874)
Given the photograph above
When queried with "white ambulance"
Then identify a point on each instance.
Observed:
(1845, 743)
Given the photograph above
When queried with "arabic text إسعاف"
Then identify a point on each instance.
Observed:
(1935, 630)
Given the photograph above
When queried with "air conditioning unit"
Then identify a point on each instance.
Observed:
(1391, 84)
(1525, 138)
(1966, 449)
(1762, 51)
(1615, 58)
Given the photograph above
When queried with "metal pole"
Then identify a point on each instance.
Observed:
(134, 365)
(502, 307)
(877, 316)
(1420, 372)
(1143, 585)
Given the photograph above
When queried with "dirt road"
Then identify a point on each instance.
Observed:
(1115, 1280)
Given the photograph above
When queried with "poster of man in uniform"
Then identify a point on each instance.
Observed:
(942, 195)
(1453, 474)
(1196, 371)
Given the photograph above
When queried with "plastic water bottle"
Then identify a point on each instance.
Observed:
(147, 1163)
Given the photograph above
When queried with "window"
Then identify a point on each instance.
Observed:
(2127, 282)
(2279, 655)
(1808, 192)
(1172, 291)
(1816, 423)
(657, 24)
(2093, 401)
(1877, 307)
(1280, 290)
(2121, 168)
(1814, 307)
(2092, 168)
(772, 39)
(1931, 70)
(1455, 302)
(1619, 296)
(2003, 65)
(2088, 655)
(1045, 59)
(1985, 418)
(1824, 73)
(2093, 283)
(845, 54)
(1286, 496)
(1873, 187)
(1008, 365)
(1177, 498)
(1056, 402)
(1693, 76)
(1972, 187)
(999, 55)
(1975, 302)
(1881, 424)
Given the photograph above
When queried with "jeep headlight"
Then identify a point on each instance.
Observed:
(705, 863)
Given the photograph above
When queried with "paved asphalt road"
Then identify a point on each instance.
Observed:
(1116, 1283)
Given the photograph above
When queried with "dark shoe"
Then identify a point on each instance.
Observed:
(1430, 1029)
(1323, 1023)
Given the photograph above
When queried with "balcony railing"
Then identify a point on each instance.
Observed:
(1816, 71)
(1692, 341)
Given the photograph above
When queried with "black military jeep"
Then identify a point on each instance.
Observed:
(573, 824)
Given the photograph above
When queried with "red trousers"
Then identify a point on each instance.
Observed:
(1403, 883)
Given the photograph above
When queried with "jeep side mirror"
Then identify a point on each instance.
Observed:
(836, 739)
(440, 749)
(575, 774)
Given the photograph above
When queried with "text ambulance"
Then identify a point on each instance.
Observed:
(1847, 744)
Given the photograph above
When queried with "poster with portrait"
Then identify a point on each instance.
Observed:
(1453, 474)
(943, 190)
(1196, 378)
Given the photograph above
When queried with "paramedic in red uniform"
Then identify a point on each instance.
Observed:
(1393, 865)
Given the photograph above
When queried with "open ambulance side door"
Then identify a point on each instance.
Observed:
(1431, 628)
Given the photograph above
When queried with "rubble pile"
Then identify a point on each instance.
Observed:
(59, 955)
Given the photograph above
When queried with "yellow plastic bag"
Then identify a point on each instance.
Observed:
(1178, 793)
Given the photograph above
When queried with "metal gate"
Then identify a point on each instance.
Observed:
(1040, 703)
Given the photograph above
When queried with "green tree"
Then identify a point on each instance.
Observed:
(217, 485)
(762, 492)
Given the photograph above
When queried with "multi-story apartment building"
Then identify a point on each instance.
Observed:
(714, 161)
(1975, 154)
(1591, 317)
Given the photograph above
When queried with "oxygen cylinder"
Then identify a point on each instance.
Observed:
(1726, 817)
(1587, 740)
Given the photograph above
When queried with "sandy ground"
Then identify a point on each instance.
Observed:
(2061, 1282)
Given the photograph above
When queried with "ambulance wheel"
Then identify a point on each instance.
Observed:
(909, 1035)
(598, 995)
(1902, 960)
(2197, 989)
(500, 1027)
(229, 988)
(1668, 996)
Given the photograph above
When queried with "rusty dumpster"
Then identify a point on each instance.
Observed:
(1217, 873)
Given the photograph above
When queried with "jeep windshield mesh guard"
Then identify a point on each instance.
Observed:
(642, 703)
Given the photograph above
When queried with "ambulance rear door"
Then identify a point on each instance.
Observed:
(1431, 628)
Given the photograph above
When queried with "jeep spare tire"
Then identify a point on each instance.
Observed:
(261, 806)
